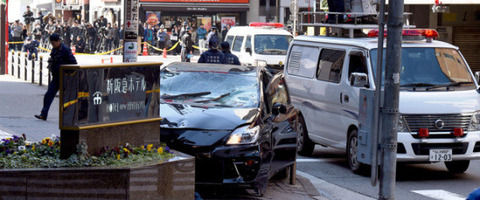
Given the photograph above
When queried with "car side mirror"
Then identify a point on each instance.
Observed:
(358, 79)
(477, 77)
(279, 108)
(248, 50)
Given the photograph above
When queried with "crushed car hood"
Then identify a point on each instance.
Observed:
(217, 118)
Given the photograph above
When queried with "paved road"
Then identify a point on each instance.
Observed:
(414, 181)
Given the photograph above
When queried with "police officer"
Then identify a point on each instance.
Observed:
(212, 55)
(60, 55)
(229, 57)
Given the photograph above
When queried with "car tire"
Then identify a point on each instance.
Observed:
(352, 152)
(305, 146)
(457, 167)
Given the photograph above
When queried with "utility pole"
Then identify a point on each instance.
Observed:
(391, 98)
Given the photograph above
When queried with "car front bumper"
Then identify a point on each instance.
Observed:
(411, 149)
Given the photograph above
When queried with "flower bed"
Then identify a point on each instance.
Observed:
(34, 170)
(16, 152)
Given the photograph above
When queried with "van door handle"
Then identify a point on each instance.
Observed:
(346, 98)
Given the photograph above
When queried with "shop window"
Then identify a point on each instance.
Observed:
(330, 65)
(237, 45)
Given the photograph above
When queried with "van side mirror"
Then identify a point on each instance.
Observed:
(278, 108)
(477, 77)
(249, 50)
(358, 79)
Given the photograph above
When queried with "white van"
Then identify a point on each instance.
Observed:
(439, 97)
(260, 44)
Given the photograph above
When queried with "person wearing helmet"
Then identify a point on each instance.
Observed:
(229, 57)
(212, 55)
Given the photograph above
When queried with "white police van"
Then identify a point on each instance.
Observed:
(260, 44)
(439, 97)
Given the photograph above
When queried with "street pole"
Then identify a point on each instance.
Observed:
(130, 30)
(391, 99)
(378, 95)
(295, 14)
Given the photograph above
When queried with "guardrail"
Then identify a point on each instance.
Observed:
(29, 70)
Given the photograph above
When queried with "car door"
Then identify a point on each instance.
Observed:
(356, 62)
(284, 137)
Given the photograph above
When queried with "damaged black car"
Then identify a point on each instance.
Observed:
(236, 120)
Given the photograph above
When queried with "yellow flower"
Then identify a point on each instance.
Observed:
(45, 140)
(50, 143)
(33, 147)
(118, 156)
(143, 147)
(149, 147)
(126, 150)
(160, 150)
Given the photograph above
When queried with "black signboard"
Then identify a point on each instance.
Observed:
(96, 95)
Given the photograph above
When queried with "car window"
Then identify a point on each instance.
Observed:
(357, 63)
(237, 45)
(229, 40)
(330, 65)
(303, 61)
(248, 42)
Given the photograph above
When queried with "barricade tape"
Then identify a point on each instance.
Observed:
(87, 54)
(16, 42)
(161, 50)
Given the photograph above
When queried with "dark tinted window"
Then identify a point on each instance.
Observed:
(330, 65)
(248, 42)
(229, 40)
(237, 45)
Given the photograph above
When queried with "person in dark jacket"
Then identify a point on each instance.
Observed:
(229, 57)
(212, 55)
(31, 46)
(80, 46)
(187, 45)
(60, 55)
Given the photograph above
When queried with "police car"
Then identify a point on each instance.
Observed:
(260, 44)
(439, 97)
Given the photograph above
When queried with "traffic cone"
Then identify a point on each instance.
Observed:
(145, 50)
(73, 50)
(164, 52)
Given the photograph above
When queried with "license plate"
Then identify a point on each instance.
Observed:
(437, 155)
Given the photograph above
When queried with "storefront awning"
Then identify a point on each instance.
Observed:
(195, 7)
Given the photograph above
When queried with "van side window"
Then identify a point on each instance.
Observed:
(303, 61)
(330, 65)
(248, 42)
(237, 45)
(358, 63)
(230, 40)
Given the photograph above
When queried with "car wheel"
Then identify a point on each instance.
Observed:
(352, 152)
(304, 145)
(457, 167)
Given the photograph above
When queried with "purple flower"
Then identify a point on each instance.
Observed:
(167, 149)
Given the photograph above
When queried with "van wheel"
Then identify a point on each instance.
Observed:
(457, 167)
(352, 152)
(304, 145)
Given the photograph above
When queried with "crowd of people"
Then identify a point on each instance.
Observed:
(104, 36)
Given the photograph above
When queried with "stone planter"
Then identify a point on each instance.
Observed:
(173, 179)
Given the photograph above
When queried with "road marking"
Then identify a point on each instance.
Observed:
(440, 194)
(318, 159)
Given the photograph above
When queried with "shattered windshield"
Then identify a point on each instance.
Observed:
(272, 44)
(210, 89)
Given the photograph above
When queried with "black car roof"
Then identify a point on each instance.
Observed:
(208, 67)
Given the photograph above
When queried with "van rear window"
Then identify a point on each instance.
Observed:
(303, 61)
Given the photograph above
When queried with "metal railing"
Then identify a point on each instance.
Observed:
(344, 20)
(31, 70)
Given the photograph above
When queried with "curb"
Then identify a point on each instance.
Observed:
(325, 190)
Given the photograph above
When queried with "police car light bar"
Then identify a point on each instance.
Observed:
(427, 33)
(263, 24)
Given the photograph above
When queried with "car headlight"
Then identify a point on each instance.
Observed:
(244, 135)
(475, 122)
(260, 63)
(402, 125)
